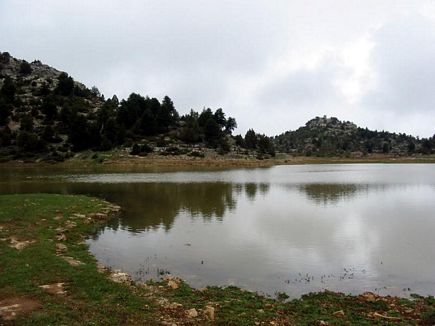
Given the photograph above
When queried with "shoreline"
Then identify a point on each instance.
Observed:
(46, 232)
(157, 162)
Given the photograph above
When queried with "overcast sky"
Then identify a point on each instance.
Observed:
(271, 64)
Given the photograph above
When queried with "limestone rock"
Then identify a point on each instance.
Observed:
(192, 313)
(61, 248)
(173, 285)
(70, 224)
(19, 244)
(55, 288)
(98, 216)
(77, 215)
(174, 306)
(339, 314)
(209, 312)
(13, 307)
(369, 296)
(72, 261)
(120, 277)
(61, 237)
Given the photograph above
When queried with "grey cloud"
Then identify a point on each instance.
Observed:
(302, 94)
(204, 53)
(154, 36)
(187, 49)
(303, 88)
(403, 60)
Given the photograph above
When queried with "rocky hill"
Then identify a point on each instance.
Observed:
(47, 115)
(323, 136)
(34, 99)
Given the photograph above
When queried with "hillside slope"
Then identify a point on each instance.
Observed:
(39, 109)
(46, 115)
(323, 136)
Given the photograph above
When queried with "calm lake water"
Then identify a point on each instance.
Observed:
(297, 229)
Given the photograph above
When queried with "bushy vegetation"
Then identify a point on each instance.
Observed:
(324, 136)
(258, 142)
(25, 68)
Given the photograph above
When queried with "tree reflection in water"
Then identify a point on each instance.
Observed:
(331, 193)
(151, 205)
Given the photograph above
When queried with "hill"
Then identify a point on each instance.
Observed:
(323, 136)
(46, 115)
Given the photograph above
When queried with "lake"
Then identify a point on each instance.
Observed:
(294, 229)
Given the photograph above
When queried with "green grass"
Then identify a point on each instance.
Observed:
(92, 298)
(90, 295)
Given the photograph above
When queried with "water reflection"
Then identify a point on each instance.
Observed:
(331, 193)
(152, 205)
(294, 229)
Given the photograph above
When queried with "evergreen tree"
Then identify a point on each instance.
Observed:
(265, 145)
(48, 134)
(8, 90)
(147, 124)
(212, 132)
(5, 112)
(190, 131)
(29, 142)
(426, 146)
(130, 110)
(219, 117)
(65, 86)
(25, 68)
(251, 139)
(239, 140)
(5, 137)
(168, 116)
(49, 108)
(230, 125)
(26, 123)
(5, 57)
(204, 117)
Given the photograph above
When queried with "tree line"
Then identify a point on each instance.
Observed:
(64, 116)
(59, 116)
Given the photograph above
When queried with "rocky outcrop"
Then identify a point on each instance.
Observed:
(328, 136)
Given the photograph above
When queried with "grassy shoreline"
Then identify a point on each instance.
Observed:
(48, 276)
(116, 161)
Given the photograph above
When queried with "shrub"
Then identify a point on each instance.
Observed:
(135, 150)
(65, 86)
(196, 154)
(141, 150)
(5, 57)
(161, 142)
(174, 150)
(428, 317)
(25, 68)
